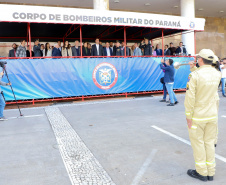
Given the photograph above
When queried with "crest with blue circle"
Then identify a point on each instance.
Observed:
(105, 75)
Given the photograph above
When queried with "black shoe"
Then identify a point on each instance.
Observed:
(224, 95)
(195, 174)
(171, 104)
(176, 102)
(215, 145)
(162, 100)
(210, 178)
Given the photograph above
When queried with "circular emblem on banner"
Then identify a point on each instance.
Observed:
(105, 75)
(192, 25)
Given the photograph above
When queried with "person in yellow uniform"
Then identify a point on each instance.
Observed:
(215, 64)
(202, 114)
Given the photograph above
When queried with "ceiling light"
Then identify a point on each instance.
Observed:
(200, 9)
(116, 1)
(147, 4)
(222, 11)
(176, 6)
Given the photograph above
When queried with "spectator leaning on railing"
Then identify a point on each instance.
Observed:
(21, 50)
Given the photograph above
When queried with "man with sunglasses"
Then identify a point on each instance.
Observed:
(223, 78)
(201, 109)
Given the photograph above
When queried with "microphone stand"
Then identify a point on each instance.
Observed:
(4, 69)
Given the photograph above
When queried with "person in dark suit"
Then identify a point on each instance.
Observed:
(28, 51)
(158, 50)
(167, 51)
(112, 46)
(107, 50)
(181, 50)
(172, 49)
(37, 49)
(114, 50)
(146, 45)
(118, 49)
(127, 49)
(12, 52)
(97, 49)
(56, 51)
(85, 50)
(76, 50)
(89, 48)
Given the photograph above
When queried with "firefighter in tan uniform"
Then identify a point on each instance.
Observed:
(193, 68)
(201, 111)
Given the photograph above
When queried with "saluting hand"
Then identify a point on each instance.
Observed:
(192, 64)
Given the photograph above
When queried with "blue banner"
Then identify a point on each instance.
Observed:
(51, 78)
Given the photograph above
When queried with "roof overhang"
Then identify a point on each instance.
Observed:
(58, 15)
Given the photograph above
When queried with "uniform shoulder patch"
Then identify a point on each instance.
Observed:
(189, 77)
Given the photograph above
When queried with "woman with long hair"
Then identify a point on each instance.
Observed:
(47, 52)
(66, 49)
(158, 50)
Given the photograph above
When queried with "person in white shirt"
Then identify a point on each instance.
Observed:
(59, 44)
(107, 50)
(181, 50)
(111, 45)
(137, 50)
(97, 49)
(223, 78)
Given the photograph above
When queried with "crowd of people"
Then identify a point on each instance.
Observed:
(169, 73)
(145, 48)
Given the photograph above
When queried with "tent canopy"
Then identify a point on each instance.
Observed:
(11, 32)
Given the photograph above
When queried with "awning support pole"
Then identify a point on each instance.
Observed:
(195, 41)
(29, 33)
(81, 39)
(162, 43)
(125, 41)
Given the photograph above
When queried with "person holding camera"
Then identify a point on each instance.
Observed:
(2, 101)
(168, 67)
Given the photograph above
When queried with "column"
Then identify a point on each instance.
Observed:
(188, 10)
(101, 4)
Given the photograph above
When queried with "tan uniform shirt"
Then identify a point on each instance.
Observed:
(202, 94)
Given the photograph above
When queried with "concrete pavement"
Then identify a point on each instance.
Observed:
(119, 135)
